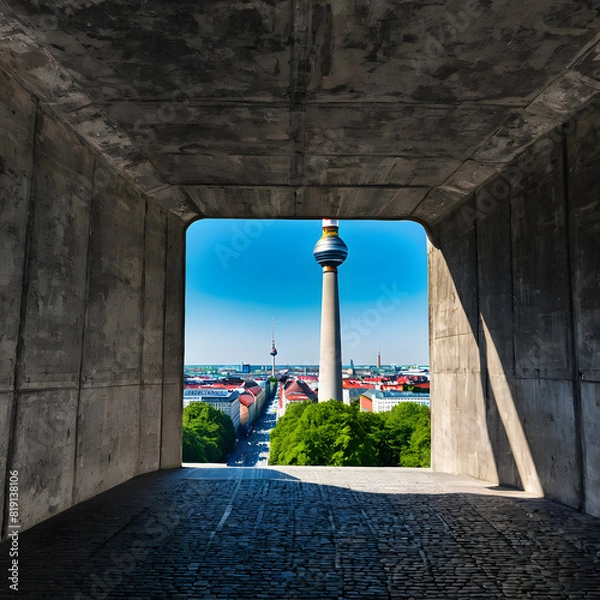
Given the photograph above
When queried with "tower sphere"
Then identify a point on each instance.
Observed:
(330, 251)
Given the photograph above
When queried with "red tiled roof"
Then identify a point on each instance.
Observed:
(353, 384)
(297, 386)
(247, 399)
(293, 397)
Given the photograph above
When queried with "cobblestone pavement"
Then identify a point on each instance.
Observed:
(314, 533)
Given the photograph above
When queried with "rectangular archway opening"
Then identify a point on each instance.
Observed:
(252, 286)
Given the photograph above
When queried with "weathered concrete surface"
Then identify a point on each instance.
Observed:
(84, 297)
(171, 412)
(123, 121)
(152, 362)
(58, 241)
(16, 166)
(583, 148)
(108, 441)
(426, 101)
(590, 410)
(515, 272)
(43, 447)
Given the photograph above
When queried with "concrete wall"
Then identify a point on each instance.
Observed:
(91, 317)
(515, 323)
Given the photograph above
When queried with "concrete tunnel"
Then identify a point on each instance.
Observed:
(124, 121)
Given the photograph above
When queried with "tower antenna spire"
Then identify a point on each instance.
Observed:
(273, 348)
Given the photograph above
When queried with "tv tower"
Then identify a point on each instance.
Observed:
(330, 252)
(273, 349)
(378, 355)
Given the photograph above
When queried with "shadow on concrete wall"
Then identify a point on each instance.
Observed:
(504, 264)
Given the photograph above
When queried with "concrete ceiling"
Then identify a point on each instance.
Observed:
(283, 108)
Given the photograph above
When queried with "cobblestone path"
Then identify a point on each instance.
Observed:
(312, 533)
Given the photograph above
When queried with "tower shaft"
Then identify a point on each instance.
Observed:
(330, 252)
(330, 364)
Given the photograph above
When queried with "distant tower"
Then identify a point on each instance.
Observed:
(273, 349)
(330, 252)
(378, 355)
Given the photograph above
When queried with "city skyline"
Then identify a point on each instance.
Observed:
(242, 274)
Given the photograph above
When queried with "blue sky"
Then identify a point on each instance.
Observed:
(240, 274)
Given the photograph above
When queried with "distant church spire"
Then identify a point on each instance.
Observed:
(273, 349)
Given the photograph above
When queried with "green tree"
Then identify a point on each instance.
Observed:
(418, 451)
(374, 426)
(193, 446)
(327, 433)
(331, 433)
(284, 439)
(208, 433)
(408, 428)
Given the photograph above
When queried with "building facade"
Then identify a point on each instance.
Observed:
(227, 401)
(385, 400)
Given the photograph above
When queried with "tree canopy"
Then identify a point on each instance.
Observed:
(331, 433)
(208, 433)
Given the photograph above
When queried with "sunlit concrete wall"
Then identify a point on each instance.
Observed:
(515, 323)
(91, 317)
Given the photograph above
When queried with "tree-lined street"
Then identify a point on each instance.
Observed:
(253, 450)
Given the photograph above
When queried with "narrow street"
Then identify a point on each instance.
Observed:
(253, 451)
